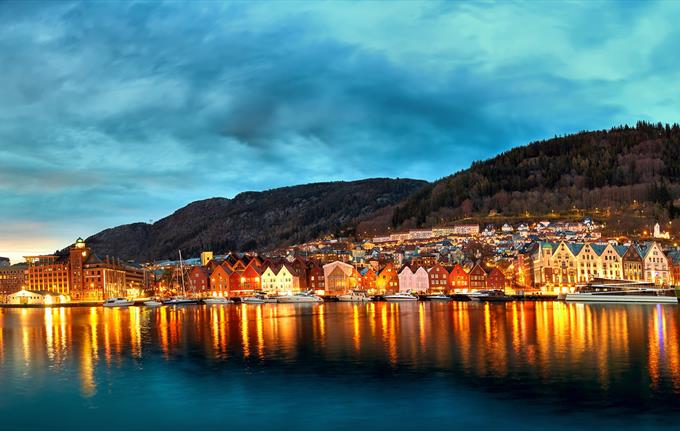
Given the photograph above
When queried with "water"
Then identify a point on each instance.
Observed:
(372, 366)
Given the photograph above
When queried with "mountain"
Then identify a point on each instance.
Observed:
(628, 176)
(251, 220)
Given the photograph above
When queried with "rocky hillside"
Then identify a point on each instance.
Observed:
(629, 175)
(251, 220)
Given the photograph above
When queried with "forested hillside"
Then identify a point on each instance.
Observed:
(624, 171)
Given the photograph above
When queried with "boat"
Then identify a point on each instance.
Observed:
(217, 301)
(302, 297)
(492, 296)
(118, 302)
(253, 299)
(355, 296)
(400, 297)
(438, 297)
(613, 291)
(153, 303)
(180, 300)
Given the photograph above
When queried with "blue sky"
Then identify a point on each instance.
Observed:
(114, 112)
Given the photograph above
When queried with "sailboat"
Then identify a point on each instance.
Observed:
(180, 299)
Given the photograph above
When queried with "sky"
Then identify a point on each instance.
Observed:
(120, 112)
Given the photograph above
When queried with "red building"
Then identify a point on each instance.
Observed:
(198, 281)
(219, 280)
(497, 280)
(315, 277)
(438, 278)
(458, 278)
(12, 278)
(477, 277)
(245, 280)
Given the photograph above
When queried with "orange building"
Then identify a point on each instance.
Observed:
(387, 280)
(367, 280)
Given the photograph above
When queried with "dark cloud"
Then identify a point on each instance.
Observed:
(118, 112)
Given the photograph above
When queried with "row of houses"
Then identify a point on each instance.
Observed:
(564, 265)
(233, 277)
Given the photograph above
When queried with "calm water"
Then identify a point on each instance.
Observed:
(341, 366)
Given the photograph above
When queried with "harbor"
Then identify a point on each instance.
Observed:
(526, 361)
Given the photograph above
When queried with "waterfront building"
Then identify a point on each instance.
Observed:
(497, 280)
(413, 281)
(340, 278)
(438, 278)
(79, 274)
(459, 279)
(367, 280)
(35, 297)
(315, 278)
(245, 279)
(219, 279)
(387, 280)
(632, 264)
(655, 263)
(287, 280)
(198, 280)
(477, 277)
(12, 279)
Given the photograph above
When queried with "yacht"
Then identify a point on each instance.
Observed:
(438, 297)
(180, 300)
(153, 303)
(355, 296)
(298, 298)
(217, 301)
(254, 299)
(491, 296)
(401, 297)
(623, 292)
(118, 302)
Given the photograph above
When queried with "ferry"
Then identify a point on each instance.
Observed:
(619, 291)
(355, 296)
(401, 297)
(118, 302)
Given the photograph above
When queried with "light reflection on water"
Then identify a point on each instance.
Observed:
(390, 366)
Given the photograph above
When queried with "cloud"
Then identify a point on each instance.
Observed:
(114, 113)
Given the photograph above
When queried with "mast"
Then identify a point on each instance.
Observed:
(181, 269)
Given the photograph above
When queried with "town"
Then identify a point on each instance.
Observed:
(542, 259)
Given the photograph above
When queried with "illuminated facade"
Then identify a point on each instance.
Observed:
(81, 275)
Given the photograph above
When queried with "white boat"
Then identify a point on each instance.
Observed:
(153, 303)
(400, 297)
(217, 301)
(438, 297)
(491, 295)
(623, 292)
(306, 297)
(117, 302)
(254, 299)
(180, 300)
(355, 296)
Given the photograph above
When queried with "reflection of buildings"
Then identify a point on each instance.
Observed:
(535, 342)
(83, 276)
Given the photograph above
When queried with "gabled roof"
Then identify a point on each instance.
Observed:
(620, 249)
(598, 248)
(574, 247)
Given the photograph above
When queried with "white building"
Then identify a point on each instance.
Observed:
(417, 282)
